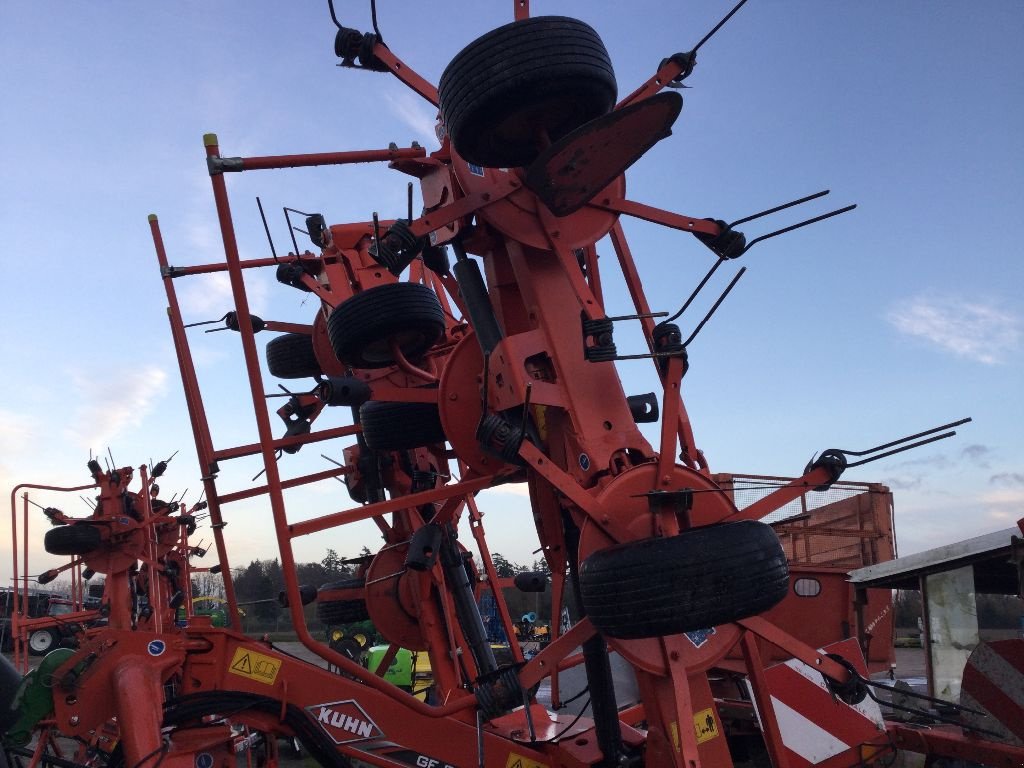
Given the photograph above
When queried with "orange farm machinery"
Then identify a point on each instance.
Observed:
(466, 348)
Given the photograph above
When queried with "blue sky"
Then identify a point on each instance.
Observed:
(894, 318)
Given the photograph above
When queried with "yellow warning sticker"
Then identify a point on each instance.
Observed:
(255, 666)
(705, 725)
(522, 761)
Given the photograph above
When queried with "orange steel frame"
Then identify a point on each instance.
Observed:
(162, 545)
(21, 625)
(539, 295)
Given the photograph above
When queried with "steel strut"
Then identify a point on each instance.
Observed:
(200, 425)
(466, 610)
(598, 665)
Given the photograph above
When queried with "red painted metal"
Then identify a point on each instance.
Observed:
(657, 215)
(951, 741)
(323, 158)
(403, 72)
(762, 696)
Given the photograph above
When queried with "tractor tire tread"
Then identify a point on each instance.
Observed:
(701, 578)
(292, 356)
(389, 426)
(517, 68)
(370, 317)
(78, 539)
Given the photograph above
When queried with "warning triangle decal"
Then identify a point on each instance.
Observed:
(242, 665)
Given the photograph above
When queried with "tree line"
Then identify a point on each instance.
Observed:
(994, 611)
(258, 584)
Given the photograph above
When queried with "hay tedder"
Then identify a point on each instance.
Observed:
(445, 377)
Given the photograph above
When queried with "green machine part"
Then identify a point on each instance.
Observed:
(34, 698)
(399, 672)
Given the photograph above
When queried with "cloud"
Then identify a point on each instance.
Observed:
(1002, 506)
(903, 483)
(1003, 496)
(205, 240)
(510, 489)
(924, 521)
(18, 465)
(1007, 478)
(16, 431)
(935, 461)
(416, 114)
(975, 330)
(977, 454)
(208, 297)
(110, 401)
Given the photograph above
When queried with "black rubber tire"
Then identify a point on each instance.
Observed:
(546, 74)
(400, 426)
(291, 356)
(361, 328)
(42, 641)
(334, 612)
(79, 539)
(699, 579)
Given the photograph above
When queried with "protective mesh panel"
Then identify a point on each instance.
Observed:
(848, 526)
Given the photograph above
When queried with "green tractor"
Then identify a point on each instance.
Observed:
(24, 701)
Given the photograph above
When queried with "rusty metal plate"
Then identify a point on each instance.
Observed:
(569, 173)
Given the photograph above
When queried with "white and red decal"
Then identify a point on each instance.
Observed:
(345, 721)
(814, 724)
(993, 685)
